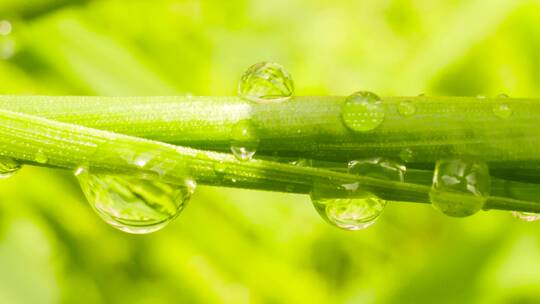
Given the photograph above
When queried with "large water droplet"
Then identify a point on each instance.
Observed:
(362, 111)
(502, 110)
(460, 187)
(131, 204)
(244, 140)
(406, 108)
(349, 207)
(266, 82)
(355, 213)
(526, 216)
(8, 167)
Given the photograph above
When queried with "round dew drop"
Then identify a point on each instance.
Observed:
(134, 205)
(8, 167)
(460, 187)
(355, 213)
(266, 82)
(362, 111)
(406, 155)
(349, 207)
(406, 108)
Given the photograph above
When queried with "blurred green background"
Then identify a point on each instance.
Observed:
(237, 246)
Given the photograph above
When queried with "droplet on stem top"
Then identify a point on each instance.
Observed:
(132, 204)
(244, 140)
(526, 216)
(266, 82)
(362, 111)
(8, 167)
(460, 187)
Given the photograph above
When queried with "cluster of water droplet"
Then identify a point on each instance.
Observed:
(136, 204)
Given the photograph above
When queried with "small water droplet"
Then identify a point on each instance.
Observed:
(40, 157)
(502, 110)
(131, 204)
(8, 167)
(244, 140)
(406, 155)
(266, 82)
(526, 216)
(503, 95)
(220, 168)
(406, 108)
(362, 111)
(481, 96)
(460, 187)
(302, 162)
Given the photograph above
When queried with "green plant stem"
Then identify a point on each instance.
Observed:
(40, 141)
(312, 126)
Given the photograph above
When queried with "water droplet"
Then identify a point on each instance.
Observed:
(362, 111)
(378, 167)
(481, 96)
(526, 216)
(355, 213)
(302, 162)
(460, 187)
(244, 140)
(266, 82)
(220, 167)
(502, 110)
(406, 108)
(131, 204)
(406, 155)
(502, 95)
(349, 207)
(8, 167)
(40, 157)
